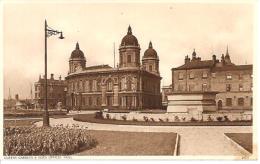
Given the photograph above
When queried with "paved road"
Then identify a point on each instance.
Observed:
(194, 140)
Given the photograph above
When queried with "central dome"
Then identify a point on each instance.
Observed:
(150, 52)
(129, 39)
(77, 53)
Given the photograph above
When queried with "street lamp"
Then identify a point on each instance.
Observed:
(47, 33)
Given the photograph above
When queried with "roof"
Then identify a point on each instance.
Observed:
(196, 65)
(129, 39)
(77, 53)
(150, 52)
(97, 67)
(233, 68)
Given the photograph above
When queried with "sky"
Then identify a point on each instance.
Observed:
(175, 29)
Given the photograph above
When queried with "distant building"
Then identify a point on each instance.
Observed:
(233, 83)
(56, 92)
(131, 85)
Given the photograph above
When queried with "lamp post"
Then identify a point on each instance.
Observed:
(47, 33)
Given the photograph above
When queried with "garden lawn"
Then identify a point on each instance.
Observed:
(91, 118)
(243, 139)
(131, 143)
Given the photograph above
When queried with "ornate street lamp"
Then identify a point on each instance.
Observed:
(47, 33)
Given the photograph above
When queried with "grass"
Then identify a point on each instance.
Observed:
(91, 118)
(243, 139)
(131, 143)
(20, 123)
(30, 113)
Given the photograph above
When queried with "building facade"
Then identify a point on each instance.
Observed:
(132, 85)
(233, 83)
(56, 92)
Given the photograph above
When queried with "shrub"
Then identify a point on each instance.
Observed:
(99, 115)
(219, 118)
(123, 117)
(107, 116)
(152, 120)
(146, 119)
(161, 120)
(226, 118)
(134, 119)
(167, 119)
(183, 118)
(176, 118)
(193, 119)
(46, 141)
(209, 118)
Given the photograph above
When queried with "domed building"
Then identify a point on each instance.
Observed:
(130, 86)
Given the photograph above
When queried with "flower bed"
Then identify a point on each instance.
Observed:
(31, 113)
(46, 141)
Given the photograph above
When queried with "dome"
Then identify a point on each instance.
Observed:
(77, 53)
(150, 52)
(129, 39)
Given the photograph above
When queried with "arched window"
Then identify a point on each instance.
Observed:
(129, 84)
(150, 68)
(129, 59)
(109, 85)
(98, 85)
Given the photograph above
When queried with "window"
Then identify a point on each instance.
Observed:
(229, 77)
(180, 76)
(251, 101)
(128, 58)
(205, 75)
(180, 87)
(240, 87)
(191, 76)
(87, 86)
(150, 68)
(94, 85)
(90, 86)
(204, 87)
(109, 85)
(228, 101)
(240, 101)
(240, 76)
(191, 87)
(80, 85)
(228, 87)
(90, 101)
(213, 75)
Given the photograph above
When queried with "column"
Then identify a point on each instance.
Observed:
(115, 96)
(103, 98)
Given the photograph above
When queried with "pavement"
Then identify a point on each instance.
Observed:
(194, 140)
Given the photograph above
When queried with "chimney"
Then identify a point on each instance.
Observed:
(16, 97)
(60, 78)
(187, 59)
(52, 78)
(214, 59)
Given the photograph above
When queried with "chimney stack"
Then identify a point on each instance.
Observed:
(52, 76)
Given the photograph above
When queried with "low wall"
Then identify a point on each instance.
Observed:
(177, 117)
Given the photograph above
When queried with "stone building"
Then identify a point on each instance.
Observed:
(131, 85)
(233, 83)
(56, 92)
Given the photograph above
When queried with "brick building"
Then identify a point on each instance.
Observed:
(56, 92)
(131, 85)
(233, 83)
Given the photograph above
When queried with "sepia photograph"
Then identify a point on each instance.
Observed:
(128, 80)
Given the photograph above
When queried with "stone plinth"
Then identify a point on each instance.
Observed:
(191, 102)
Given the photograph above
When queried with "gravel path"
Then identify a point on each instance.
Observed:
(194, 140)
